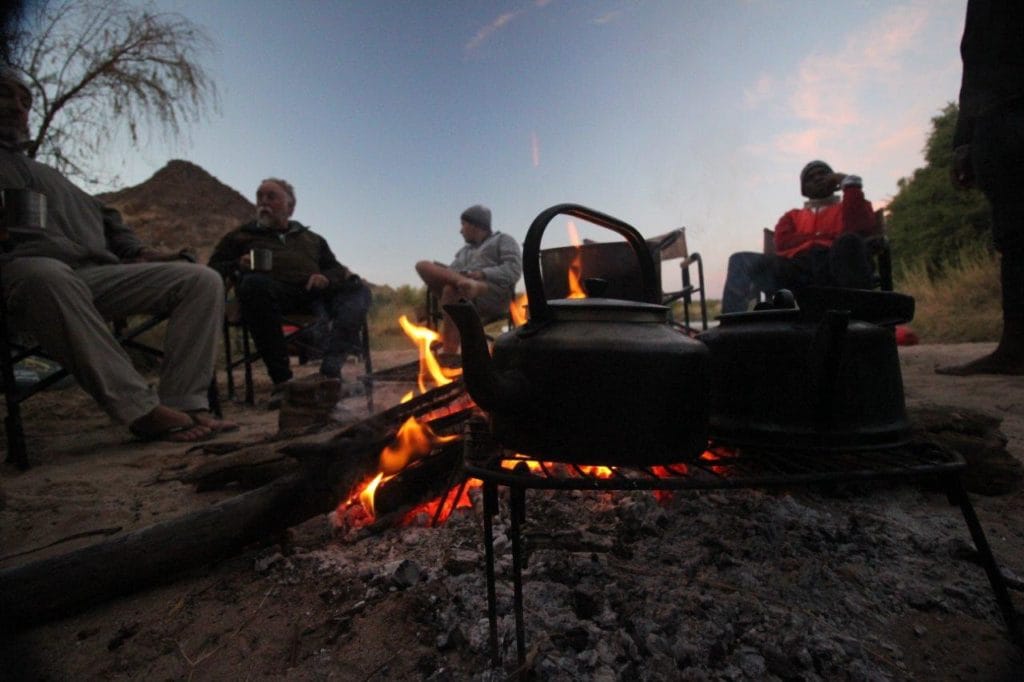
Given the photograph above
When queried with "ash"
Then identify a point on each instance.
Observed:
(733, 585)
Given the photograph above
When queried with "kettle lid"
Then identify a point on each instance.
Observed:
(606, 309)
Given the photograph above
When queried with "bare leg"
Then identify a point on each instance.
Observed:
(449, 286)
(1007, 358)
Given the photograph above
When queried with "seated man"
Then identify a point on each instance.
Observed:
(821, 244)
(484, 272)
(64, 281)
(304, 277)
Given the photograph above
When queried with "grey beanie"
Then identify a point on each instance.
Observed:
(813, 165)
(478, 215)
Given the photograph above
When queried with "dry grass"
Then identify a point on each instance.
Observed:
(963, 304)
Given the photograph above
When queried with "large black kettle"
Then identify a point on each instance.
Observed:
(590, 381)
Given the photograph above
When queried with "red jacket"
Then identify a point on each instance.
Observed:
(802, 228)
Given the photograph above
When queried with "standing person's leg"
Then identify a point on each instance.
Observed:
(263, 302)
(347, 311)
(997, 153)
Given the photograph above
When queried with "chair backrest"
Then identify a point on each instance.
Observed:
(613, 262)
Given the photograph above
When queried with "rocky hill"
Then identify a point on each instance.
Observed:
(181, 205)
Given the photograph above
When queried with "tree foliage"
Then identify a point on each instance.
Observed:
(98, 68)
(930, 221)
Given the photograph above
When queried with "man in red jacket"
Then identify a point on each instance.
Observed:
(822, 243)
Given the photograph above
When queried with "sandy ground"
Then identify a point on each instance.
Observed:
(89, 475)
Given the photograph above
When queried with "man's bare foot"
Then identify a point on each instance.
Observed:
(204, 418)
(997, 362)
(173, 426)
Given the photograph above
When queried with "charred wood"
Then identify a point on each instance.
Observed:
(58, 586)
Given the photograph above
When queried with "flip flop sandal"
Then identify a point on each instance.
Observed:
(163, 435)
(217, 425)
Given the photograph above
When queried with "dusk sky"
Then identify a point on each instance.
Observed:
(390, 118)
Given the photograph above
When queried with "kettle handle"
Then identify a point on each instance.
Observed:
(531, 254)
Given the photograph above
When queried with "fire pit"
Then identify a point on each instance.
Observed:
(720, 468)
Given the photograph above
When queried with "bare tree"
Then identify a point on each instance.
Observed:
(98, 68)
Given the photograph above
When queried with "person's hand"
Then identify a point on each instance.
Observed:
(317, 281)
(151, 255)
(961, 174)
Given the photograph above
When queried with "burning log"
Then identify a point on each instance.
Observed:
(425, 479)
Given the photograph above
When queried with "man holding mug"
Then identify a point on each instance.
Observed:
(279, 265)
(70, 265)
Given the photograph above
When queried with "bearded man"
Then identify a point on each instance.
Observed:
(304, 277)
(63, 280)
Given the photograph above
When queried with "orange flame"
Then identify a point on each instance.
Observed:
(517, 309)
(430, 368)
(576, 267)
(413, 441)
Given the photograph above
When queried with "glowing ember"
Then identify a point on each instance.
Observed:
(576, 267)
(430, 368)
(442, 507)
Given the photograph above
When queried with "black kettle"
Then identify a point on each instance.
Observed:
(594, 380)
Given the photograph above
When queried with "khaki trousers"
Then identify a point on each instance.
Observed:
(67, 310)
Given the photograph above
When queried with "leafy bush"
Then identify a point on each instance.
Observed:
(930, 222)
(388, 305)
(962, 303)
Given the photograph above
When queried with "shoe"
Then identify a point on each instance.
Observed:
(331, 366)
(276, 396)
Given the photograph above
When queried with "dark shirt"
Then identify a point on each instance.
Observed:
(298, 252)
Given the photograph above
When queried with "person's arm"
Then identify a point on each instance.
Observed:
(786, 236)
(858, 214)
(225, 256)
(121, 241)
(337, 274)
(507, 263)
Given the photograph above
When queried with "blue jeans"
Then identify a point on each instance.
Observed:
(844, 264)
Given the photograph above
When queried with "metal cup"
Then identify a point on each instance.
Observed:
(261, 260)
(23, 208)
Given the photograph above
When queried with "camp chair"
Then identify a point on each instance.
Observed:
(295, 326)
(435, 315)
(614, 263)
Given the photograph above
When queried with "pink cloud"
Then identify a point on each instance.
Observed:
(484, 33)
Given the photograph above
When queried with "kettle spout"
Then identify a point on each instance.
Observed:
(490, 389)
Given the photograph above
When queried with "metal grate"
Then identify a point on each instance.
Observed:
(718, 467)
